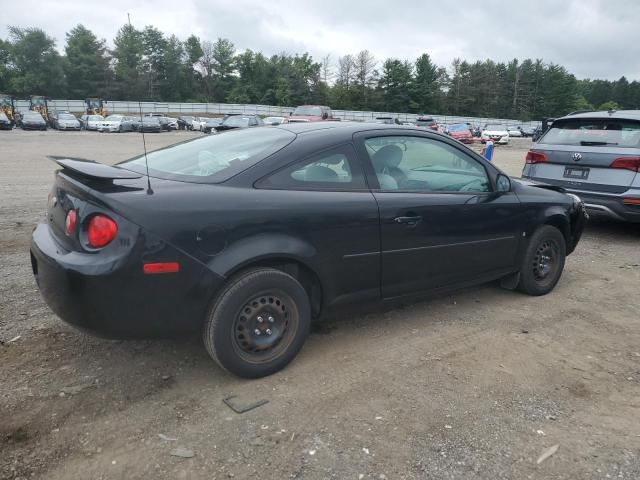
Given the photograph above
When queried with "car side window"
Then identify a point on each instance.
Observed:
(407, 163)
(333, 169)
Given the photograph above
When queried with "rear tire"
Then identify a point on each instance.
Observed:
(543, 261)
(258, 323)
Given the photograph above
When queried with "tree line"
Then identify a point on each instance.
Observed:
(150, 65)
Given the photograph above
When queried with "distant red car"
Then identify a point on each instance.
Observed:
(427, 122)
(461, 132)
(311, 113)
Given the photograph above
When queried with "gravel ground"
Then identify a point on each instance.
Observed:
(478, 384)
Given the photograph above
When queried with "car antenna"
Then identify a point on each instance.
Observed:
(144, 146)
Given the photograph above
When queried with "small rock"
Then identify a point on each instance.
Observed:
(15, 339)
(524, 331)
(312, 452)
(551, 417)
(75, 389)
(167, 439)
(181, 452)
(448, 426)
(365, 450)
(547, 453)
(166, 377)
(540, 432)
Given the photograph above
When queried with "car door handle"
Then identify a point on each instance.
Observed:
(411, 221)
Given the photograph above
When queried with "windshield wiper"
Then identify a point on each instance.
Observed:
(589, 143)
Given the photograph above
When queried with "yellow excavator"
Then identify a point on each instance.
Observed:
(38, 103)
(7, 107)
(95, 106)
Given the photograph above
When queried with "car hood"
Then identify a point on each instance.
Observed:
(305, 118)
(111, 122)
(495, 132)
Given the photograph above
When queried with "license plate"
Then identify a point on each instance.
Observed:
(579, 173)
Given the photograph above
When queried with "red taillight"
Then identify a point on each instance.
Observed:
(71, 221)
(631, 201)
(536, 157)
(166, 267)
(627, 163)
(101, 231)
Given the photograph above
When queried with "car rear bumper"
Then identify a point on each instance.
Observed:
(112, 297)
(609, 206)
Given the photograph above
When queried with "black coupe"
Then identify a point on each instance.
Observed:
(250, 235)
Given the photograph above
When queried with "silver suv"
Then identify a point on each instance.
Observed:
(595, 155)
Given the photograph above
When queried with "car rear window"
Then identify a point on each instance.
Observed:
(594, 132)
(212, 159)
(310, 111)
(425, 122)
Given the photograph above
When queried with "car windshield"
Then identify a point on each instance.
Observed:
(32, 116)
(459, 127)
(594, 132)
(496, 127)
(114, 117)
(66, 116)
(236, 121)
(153, 120)
(212, 159)
(95, 117)
(308, 111)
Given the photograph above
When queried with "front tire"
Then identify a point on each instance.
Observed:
(543, 261)
(258, 323)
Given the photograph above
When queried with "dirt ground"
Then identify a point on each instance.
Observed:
(478, 384)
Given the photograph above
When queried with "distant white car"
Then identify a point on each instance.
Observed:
(198, 123)
(495, 132)
(514, 132)
(111, 124)
(91, 122)
(173, 123)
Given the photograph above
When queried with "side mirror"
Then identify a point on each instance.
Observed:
(503, 183)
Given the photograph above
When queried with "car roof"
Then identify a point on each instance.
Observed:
(620, 114)
(346, 129)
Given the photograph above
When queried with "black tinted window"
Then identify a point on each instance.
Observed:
(594, 132)
(213, 158)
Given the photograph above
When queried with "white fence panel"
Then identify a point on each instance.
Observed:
(134, 107)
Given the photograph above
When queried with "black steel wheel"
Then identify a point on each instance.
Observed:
(258, 323)
(543, 261)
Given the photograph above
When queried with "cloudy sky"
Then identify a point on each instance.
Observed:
(592, 38)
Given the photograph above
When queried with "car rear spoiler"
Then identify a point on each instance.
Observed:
(93, 170)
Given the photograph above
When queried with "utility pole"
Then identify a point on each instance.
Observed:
(129, 18)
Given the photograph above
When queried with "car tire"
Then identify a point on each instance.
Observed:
(543, 261)
(262, 300)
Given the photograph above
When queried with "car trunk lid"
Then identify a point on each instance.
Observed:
(583, 167)
(81, 186)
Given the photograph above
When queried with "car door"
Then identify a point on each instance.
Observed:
(441, 221)
(323, 198)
